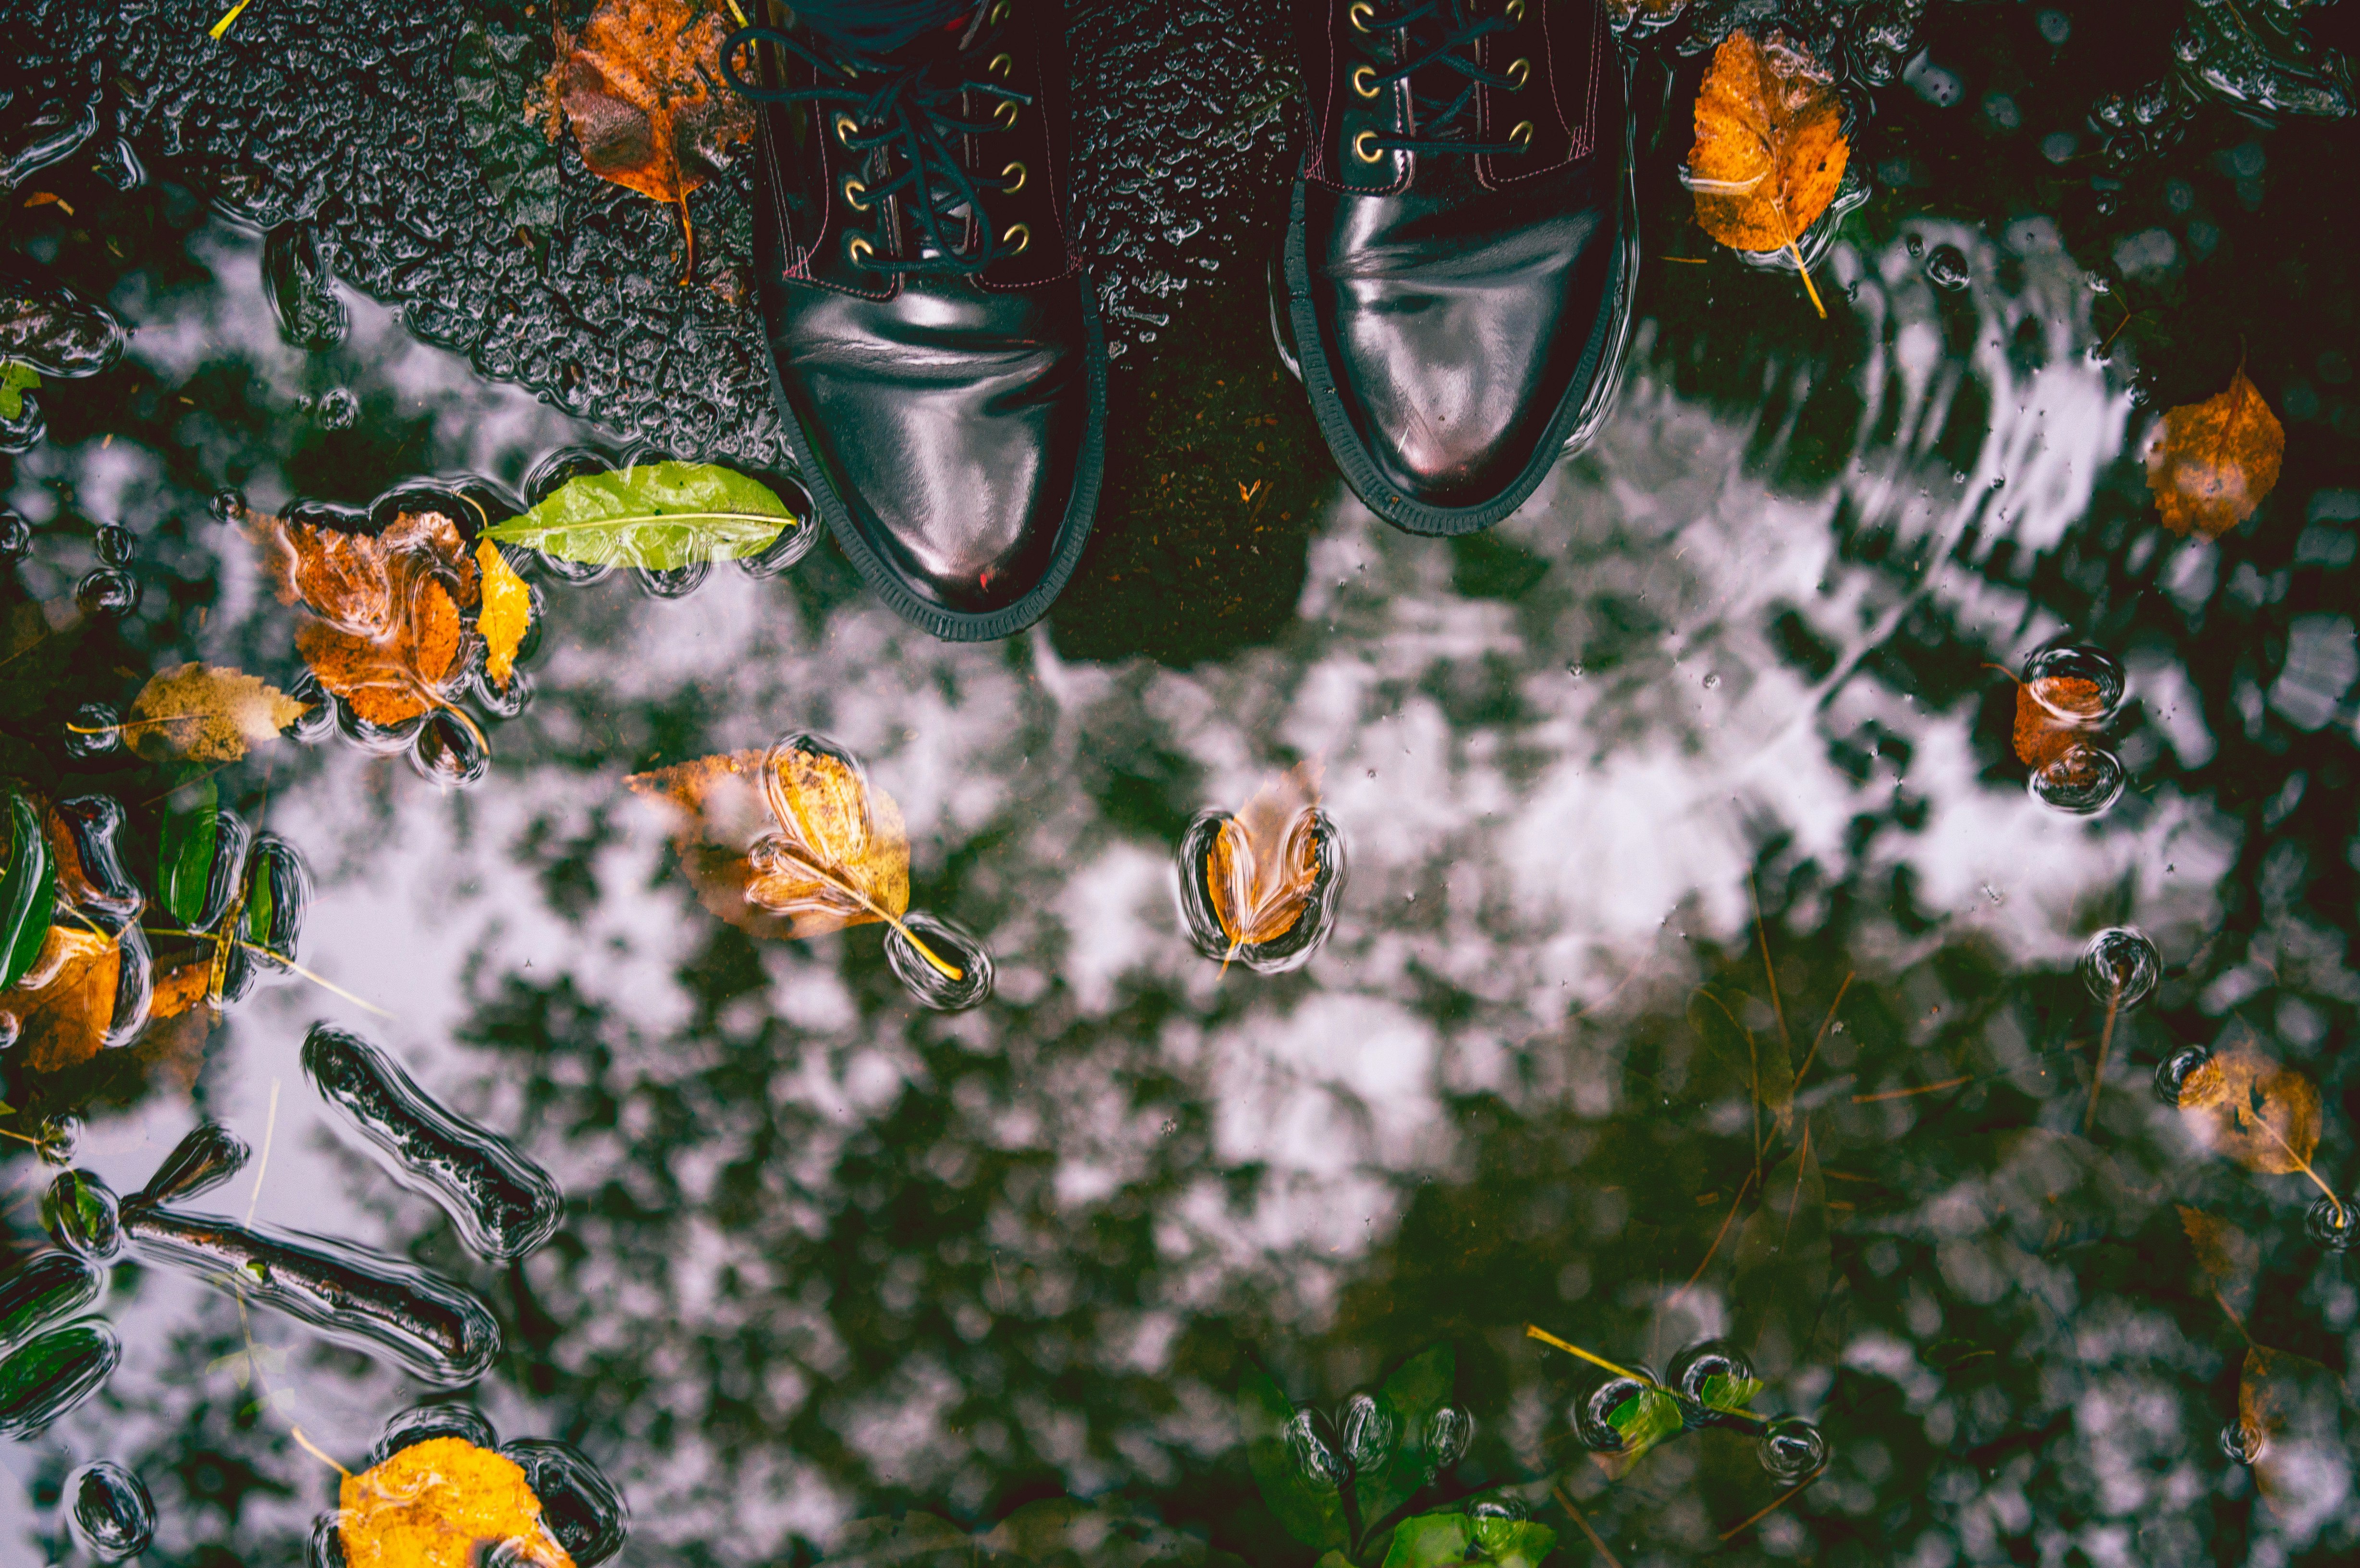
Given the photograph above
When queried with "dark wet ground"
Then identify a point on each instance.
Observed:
(1694, 770)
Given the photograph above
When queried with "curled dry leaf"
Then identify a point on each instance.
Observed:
(1265, 862)
(2215, 460)
(2052, 713)
(207, 713)
(443, 1503)
(2263, 1115)
(507, 614)
(1770, 149)
(65, 1003)
(385, 628)
(789, 843)
(641, 87)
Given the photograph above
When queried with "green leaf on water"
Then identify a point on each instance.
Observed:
(1418, 1387)
(1429, 1541)
(186, 846)
(27, 887)
(17, 378)
(1313, 1514)
(491, 72)
(1513, 1542)
(1644, 1419)
(1726, 1393)
(660, 516)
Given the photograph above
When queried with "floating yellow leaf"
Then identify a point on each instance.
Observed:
(2228, 1255)
(2215, 460)
(793, 842)
(507, 614)
(1265, 862)
(65, 1004)
(2263, 1115)
(443, 1503)
(207, 713)
(1770, 149)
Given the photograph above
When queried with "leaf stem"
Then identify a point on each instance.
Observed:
(2105, 1040)
(1805, 268)
(1558, 1492)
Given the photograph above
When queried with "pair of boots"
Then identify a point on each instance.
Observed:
(1457, 279)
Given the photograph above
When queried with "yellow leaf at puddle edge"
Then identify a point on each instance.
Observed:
(507, 614)
(1770, 149)
(207, 713)
(436, 1504)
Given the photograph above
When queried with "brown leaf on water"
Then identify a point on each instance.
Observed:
(178, 988)
(2290, 1409)
(1770, 147)
(443, 1503)
(2215, 462)
(2263, 1115)
(206, 713)
(65, 1003)
(2228, 1255)
(2053, 712)
(640, 86)
(1265, 863)
(384, 630)
(789, 843)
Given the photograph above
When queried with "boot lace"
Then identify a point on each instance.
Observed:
(1439, 34)
(903, 120)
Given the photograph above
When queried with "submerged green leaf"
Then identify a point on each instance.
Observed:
(1409, 1399)
(17, 378)
(1511, 1542)
(1429, 1541)
(27, 887)
(1313, 1514)
(660, 516)
(491, 73)
(1644, 1419)
(185, 850)
(1727, 1393)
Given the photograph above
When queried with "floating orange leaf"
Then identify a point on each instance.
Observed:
(793, 842)
(1265, 862)
(1770, 149)
(2215, 460)
(443, 1503)
(2052, 713)
(2263, 1115)
(641, 87)
(385, 630)
(65, 1004)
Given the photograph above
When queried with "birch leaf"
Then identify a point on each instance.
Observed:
(1770, 149)
(507, 614)
(2263, 1115)
(207, 713)
(2216, 461)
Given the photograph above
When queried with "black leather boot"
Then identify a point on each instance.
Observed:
(1458, 267)
(936, 346)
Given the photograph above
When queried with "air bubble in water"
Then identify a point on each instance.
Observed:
(672, 582)
(439, 1332)
(1711, 681)
(1369, 1431)
(1947, 268)
(2121, 966)
(114, 544)
(2244, 1444)
(1591, 1422)
(227, 506)
(956, 946)
(421, 1424)
(95, 730)
(1493, 1521)
(110, 1511)
(58, 1137)
(1448, 1432)
(2333, 1224)
(50, 1374)
(107, 590)
(449, 750)
(578, 1503)
(81, 1215)
(2078, 662)
(1315, 1461)
(338, 409)
(504, 1204)
(15, 537)
(794, 541)
(325, 1548)
(2081, 781)
(41, 1290)
(2173, 1075)
(1791, 1449)
(1693, 1369)
(272, 901)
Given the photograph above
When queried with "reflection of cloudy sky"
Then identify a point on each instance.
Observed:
(1542, 798)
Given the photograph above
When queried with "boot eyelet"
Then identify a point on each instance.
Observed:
(1014, 175)
(1001, 65)
(1519, 72)
(1365, 148)
(1364, 80)
(859, 250)
(1005, 115)
(1522, 135)
(999, 13)
(845, 128)
(1360, 13)
(1514, 10)
(853, 192)
(1017, 237)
